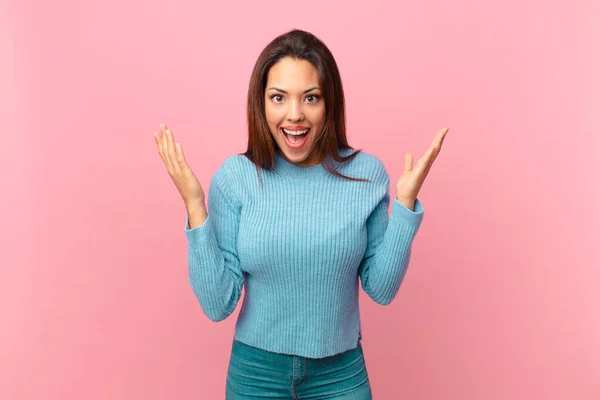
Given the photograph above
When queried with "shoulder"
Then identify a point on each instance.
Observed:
(232, 175)
(369, 160)
(234, 166)
(233, 162)
(368, 166)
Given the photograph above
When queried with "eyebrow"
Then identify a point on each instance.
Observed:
(283, 91)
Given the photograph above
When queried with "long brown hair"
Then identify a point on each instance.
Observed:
(300, 45)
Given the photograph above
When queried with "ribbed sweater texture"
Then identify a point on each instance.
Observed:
(298, 246)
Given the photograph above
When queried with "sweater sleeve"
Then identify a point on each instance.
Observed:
(389, 242)
(214, 271)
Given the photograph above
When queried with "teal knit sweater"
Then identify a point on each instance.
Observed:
(298, 246)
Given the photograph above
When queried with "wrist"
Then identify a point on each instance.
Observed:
(408, 203)
(197, 215)
(195, 205)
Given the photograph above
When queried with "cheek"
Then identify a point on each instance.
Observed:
(272, 115)
(318, 116)
(272, 122)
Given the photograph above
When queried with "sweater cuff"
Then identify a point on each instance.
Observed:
(414, 218)
(198, 235)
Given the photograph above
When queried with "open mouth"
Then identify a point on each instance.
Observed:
(295, 138)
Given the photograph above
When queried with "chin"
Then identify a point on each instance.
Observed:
(294, 157)
(303, 159)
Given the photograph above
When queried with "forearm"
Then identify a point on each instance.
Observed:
(215, 280)
(386, 261)
(213, 272)
(214, 269)
(384, 272)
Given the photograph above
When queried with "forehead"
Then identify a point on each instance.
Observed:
(293, 74)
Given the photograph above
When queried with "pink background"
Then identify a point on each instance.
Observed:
(501, 298)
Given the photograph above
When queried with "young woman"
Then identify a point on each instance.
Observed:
(296, 220)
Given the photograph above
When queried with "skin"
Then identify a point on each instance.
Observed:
(300, 108)
(411, 180)
(296, 101)
(299, 102)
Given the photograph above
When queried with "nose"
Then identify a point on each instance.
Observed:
(295, 112)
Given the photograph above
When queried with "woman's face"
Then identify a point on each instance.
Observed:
(293, 102)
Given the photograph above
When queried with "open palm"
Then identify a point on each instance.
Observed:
(412, 179)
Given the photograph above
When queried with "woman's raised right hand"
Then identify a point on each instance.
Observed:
(182, 175)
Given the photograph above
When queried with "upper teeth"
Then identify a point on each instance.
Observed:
(295, 132)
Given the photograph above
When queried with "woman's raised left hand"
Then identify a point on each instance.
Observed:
(412, 179)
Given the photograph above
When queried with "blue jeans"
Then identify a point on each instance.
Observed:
(259, 374)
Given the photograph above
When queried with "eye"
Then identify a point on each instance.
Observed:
(275, 98)
(316, 97)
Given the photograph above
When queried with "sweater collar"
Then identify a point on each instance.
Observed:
(286, 168)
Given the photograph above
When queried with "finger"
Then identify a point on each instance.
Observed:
(162, 134)
(421, 169)
(408, 162)
(156, 139)
(165, 148)
(427, 167)
(171, 152)
(158, 144)
(163, 139)
(433, 153)
(420, 165)
(436, 144)
(180, 156)
(423, 161)
(424, 164)
(439, 137)
(161, 148)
